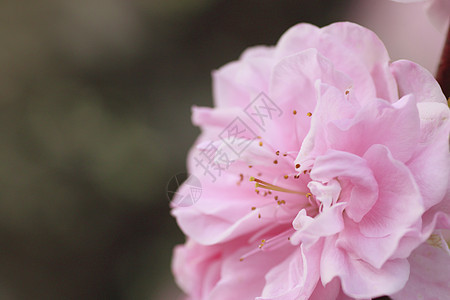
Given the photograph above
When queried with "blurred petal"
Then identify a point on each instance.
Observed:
(414, 79)
(430, 273)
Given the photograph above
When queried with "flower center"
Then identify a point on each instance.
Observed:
(437, 240)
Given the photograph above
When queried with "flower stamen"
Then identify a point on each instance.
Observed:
(265, 185)
(273, 243)
(435, 240)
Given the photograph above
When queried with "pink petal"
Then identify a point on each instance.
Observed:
(295, 278)
(331, 105)
(222, 211)
(349, 45)
(296, 39)
(238, 277)
(331, 291)
(220, 117)
(413, 79)
(327, 194)
(398, 195)
(429, 165)
(258, 52)
(358, 278)
(301, 220)
(293, 88)
(238, 83)
(438, 217)
(192, 221)
(328, 292)
(393, 125)
(196, 268)
(362, 190)
(327, 223)
(353, 49)
(225, 209)
(376, 251)
(430, 274)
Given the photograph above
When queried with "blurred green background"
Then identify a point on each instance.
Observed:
(95, 119)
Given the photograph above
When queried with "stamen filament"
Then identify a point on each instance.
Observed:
(269, 186)
(276, 242)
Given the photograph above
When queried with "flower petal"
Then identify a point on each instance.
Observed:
(237, 278)
(429, 164)
(293, 88)
(430, 273)
(196, 268)
(296, 39)
(361, 190)
(327, 223)
(295, 278)
(359, 279)
(375, 251)
(331, 105)
(238, 83)
(398, 195)
(364, 58)
(413, 79)
(393, 125)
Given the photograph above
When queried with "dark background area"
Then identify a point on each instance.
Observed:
(95, 119)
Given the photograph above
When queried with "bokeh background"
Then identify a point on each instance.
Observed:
(95, 119)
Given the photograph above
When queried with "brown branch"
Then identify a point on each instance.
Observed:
(443, 73)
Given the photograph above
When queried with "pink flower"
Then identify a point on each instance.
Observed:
(438, 10)
(349, 154)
